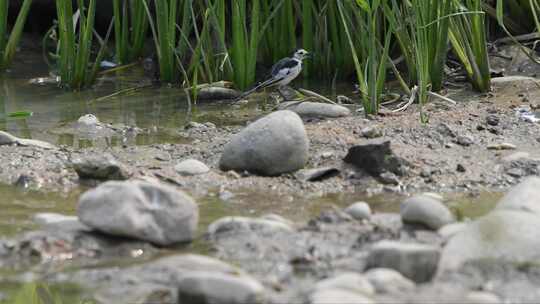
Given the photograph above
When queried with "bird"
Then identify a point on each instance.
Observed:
(283, 72)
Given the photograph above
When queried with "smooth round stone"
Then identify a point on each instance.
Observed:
(425, 210)
(359, 211)
(191, 167)
(270, 146)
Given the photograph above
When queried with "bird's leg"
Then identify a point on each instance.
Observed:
(283, 95)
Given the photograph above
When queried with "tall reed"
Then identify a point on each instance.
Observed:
(130, 28)
(371, 57)
(468, 38)
(8, 47)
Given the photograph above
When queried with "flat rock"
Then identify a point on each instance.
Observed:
(215, 287)
(217, 93)
(359, 211)
(386, 280)
(525, 197)
(191, 167)
(7, 139)
(100, 166)
(235, 224)
(315, 109)
(516, 156)
(152, 212)
(272, 145)
(376, 156)
(425, 210)
(316, 174)
(417, 262)
(500, 82)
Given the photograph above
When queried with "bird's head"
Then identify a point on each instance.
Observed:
(301, 54)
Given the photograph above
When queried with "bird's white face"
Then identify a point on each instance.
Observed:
(301, 54)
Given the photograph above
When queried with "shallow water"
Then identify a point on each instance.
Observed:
(161, 113)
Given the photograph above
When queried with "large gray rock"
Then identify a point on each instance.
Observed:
(507, 235)
(525, 197)
(417, 262)
(425, 210)
(315, 109)
(142, 210)
(272, 145)
(214, 287)
(100, 166)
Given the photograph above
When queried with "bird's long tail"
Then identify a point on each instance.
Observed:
(261, 85)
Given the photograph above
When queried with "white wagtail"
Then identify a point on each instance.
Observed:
(283, 72)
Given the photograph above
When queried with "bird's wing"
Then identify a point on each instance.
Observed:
(282, 67)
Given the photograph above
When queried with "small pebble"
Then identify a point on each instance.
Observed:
(460, 168)
(465, 140)
(492, 120)
(359, 211)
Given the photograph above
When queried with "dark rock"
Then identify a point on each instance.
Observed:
(492, 120)
(494, 130)
(445, 130)
(317, 174)
(376, 157)
(100, 166)
(460, 168)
